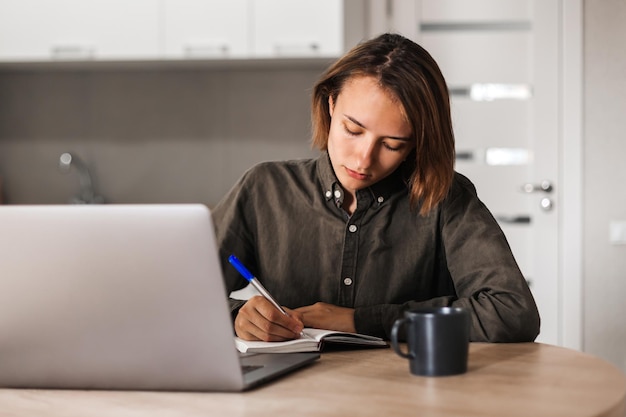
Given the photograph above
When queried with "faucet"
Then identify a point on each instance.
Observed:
(86, 194)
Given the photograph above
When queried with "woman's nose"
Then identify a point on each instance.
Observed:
(366, 154)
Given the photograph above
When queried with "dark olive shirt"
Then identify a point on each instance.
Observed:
(285, 222)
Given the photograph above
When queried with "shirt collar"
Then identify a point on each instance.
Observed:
(381, 191)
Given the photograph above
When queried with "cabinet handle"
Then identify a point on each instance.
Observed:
(65, 52)
(295, 48)
(206, 49)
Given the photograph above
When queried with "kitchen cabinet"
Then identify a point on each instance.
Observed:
(45, 30)
(119, 30)
(196, 29)
(298, 28)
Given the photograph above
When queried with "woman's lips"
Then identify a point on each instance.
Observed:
(356, 175)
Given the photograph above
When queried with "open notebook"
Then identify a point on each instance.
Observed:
(119, 297)
(313, 341)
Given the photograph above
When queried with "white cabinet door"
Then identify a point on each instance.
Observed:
(41, 30)
(297, 28)
(45, 30)
(205, 29)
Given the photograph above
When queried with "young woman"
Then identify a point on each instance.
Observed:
(379, 222)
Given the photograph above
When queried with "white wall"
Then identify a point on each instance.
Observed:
(604, 164)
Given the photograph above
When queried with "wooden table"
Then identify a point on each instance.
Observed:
(527, 379)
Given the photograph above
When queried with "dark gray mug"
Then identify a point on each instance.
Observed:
(437, 340)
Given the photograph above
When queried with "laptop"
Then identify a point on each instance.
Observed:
(120, 297)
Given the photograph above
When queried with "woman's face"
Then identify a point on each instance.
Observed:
(369, 135)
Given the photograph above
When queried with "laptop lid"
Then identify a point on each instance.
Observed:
(117, 297)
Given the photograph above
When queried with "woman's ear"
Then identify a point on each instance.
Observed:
(331, 106)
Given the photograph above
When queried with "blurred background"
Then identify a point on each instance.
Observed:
(170, 101)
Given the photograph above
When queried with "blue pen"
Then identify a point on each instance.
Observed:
(256, 284)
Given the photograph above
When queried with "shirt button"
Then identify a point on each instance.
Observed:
(381, 199)
(337, 194)
(347, 281)
(329, 194)
(352, 228)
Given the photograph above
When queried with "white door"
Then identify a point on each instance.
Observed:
(501, 61)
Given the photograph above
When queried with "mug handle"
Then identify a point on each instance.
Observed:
(397, 325)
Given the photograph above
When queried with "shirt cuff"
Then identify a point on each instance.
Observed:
(372, 320)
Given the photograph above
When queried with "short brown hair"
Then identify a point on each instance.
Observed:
(410, 73)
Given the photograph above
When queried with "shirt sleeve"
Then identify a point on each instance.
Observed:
(233, 236)
(484, 273)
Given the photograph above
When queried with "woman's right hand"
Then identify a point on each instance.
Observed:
(258, 319)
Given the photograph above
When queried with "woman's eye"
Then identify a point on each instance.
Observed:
(392, 148)
(349, 131)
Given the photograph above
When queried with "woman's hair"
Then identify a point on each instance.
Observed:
(409, 73)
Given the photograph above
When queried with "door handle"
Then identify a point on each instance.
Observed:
(522, 219)
(545, 186)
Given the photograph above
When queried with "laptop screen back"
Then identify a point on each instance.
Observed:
(113, 297)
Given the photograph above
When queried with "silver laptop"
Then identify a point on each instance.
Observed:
(127, 297)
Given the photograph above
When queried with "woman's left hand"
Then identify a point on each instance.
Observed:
(328, 316)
